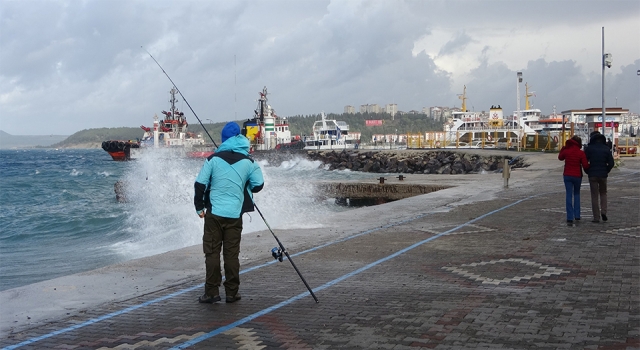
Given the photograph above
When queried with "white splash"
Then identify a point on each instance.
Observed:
(159, 191)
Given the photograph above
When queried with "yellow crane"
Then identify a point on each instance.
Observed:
(527, 94)
(463, 97)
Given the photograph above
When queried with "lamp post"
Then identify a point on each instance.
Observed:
(518, 81)
(606, 62)
(210, 121)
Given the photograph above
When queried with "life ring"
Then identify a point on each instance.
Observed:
(488, 137)
(555, 139)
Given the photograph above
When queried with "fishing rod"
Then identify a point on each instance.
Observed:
(181, 95)
(275, 252)
(278, 251)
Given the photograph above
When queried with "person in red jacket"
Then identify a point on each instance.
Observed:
(574, 161)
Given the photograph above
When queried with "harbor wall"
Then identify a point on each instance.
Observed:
(402, 161)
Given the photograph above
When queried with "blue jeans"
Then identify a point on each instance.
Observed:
(572, 187)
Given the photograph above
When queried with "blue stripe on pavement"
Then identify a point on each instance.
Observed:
(331, 283)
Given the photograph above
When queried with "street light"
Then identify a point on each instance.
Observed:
(607, 58)
(518, 81)
(210, 121)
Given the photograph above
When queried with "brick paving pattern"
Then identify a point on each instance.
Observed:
(517, 278)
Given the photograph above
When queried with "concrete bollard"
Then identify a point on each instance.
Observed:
(506, 172)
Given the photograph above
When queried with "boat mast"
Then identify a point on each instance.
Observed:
(263, 103)
(527, 94)
(463, 97)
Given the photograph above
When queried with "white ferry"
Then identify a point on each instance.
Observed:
(471, 129)
(331, 134)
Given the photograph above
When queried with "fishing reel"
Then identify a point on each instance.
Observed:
(276, 253)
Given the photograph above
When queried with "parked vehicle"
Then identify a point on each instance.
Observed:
(627, 146)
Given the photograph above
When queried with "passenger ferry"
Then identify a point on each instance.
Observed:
(472, 129)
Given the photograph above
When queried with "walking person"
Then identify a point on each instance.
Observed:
(223, 192)
(574, 161)
(600, 164)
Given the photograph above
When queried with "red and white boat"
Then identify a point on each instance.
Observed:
(266, 131)
(170, 132)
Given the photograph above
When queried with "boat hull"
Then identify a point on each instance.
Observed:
(119, 150)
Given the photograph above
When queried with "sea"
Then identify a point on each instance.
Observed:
(59, 214)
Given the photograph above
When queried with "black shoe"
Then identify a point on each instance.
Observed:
(234, 298)
(595, 221)
(577, 219)
(604, 217)
(208, 300)
(569, 222)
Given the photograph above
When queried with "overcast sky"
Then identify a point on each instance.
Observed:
(66, 66)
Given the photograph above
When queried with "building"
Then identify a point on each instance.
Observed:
(391, 109)
(588, 120)
(349, 110)
(372, 108)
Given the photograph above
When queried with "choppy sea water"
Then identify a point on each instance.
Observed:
(59, 214)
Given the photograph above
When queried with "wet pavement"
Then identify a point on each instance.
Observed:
(477, 266)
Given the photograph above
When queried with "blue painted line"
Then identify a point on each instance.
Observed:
(135, 307)
(333, 282)
(98, 319)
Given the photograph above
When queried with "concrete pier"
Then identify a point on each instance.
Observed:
(470, 266)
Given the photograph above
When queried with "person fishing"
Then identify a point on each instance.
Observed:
(223, 192)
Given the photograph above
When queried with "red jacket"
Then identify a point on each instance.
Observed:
(573, 158)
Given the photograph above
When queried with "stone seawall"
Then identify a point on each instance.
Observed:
(401, 161)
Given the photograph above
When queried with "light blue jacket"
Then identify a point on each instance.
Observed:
(229, 176)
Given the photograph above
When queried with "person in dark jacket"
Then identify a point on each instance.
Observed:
(223, 192)
(574, 161)
(600, 164)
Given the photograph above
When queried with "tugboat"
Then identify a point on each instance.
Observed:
(266, 131)
(171, 132)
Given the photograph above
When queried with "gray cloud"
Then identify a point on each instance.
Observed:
(458, 42)
(72, 65)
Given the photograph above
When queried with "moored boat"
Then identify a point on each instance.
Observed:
(331, 134)
(492, 129)
(266, 131)
(119, 150)
(170, 132)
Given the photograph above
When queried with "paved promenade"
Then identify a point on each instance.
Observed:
(474, 266)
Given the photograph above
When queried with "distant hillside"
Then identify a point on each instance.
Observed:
(92, 138)
(8, 141)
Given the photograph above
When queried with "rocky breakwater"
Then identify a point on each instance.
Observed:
(414, 161)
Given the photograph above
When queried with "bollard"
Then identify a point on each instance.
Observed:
(506, 172)
(401, 177)
(381, 180)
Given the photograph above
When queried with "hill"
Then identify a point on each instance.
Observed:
(8, 141)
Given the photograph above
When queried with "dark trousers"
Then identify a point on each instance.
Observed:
(221, 234)
(598, 186)
(572, 198)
